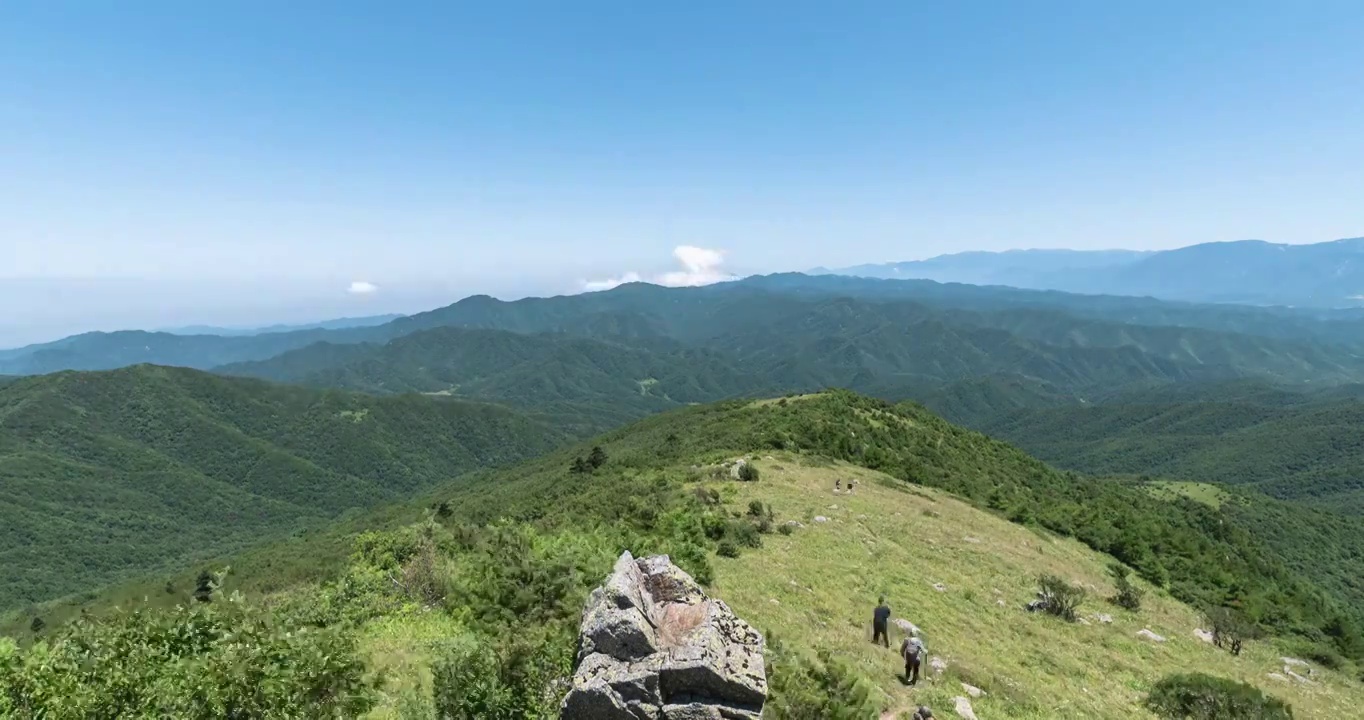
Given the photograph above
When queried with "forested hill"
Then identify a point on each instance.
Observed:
(583, 384)
(102, 474)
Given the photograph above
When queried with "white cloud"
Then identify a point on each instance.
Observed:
(700, 266)
(361, 287)
(608, 283)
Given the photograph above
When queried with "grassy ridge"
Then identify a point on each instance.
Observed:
(815, 588)
(1186, 546)
(461, 578)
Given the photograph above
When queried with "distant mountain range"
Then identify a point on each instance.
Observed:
(1254, 272)
(337, 324)
(690, 315)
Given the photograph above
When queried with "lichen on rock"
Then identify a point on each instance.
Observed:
(654, 646)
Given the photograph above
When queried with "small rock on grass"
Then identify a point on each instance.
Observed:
(963, 708)
(1148, 635)
(1289, 672)
(972, 690)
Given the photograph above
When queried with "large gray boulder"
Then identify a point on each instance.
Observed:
(653, 646)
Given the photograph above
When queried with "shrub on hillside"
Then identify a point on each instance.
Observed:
(748, 473)
(498, 679)
(218, 660)
(728, 548)
(1196, 696)
(822, 689)
(1129, 596)
(746, 534)
(1062, 599)
(714, 525)
(596, 458)
(1230, 628)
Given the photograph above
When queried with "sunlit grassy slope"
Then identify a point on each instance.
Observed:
(816, 588)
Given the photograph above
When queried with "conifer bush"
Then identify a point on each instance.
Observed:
(1128, 595)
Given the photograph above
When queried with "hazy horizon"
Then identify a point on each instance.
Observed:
(319, 302)
(257, 164)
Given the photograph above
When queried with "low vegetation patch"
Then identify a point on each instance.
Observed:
(209, 661)
(1060, 598)
(1196, 696)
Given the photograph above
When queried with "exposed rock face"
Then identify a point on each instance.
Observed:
(652, 646)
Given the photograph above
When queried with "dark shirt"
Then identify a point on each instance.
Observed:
(881, 615)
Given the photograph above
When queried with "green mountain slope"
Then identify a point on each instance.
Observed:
(584, 384)
(1299, 446)
(102, 474)
(493, 577)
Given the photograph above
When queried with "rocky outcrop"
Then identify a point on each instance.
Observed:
(653, 646)
(1148, 635)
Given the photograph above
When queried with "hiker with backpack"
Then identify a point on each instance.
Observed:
(912, 649)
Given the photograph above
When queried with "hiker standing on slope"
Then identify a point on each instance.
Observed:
(880, 617)
(912, 648)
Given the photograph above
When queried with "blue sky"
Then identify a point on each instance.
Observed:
(169, 163)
